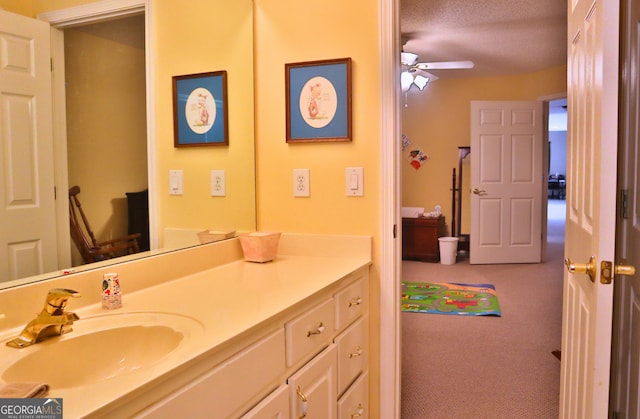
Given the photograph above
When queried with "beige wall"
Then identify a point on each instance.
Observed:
(437, 120)
(20, 7)
(203, 37)
(206, 36)
(106, 114)
(288, 31)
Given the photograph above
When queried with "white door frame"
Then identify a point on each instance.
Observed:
(390, 232)
(82, 15)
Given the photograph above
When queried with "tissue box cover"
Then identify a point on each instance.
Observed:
(210, 236)
(260, 246)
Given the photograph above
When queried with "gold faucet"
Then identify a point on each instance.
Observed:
(52, 320)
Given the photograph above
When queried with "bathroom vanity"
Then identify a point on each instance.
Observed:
(254, 340)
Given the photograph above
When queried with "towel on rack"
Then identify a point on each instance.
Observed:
(23, 390)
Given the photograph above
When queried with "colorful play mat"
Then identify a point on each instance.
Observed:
(450, 298)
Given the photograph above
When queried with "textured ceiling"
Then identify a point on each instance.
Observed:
(499, 36)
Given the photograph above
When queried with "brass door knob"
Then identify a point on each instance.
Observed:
(479, 191)
(582, 268)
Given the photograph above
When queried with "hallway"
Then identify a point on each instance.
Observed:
(488, 367)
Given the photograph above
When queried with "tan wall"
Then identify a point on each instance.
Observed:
(437, 120)
(106, 120)
(206, 36)
(24, 7)
(288, 31)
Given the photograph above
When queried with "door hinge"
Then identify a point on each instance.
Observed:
(395, 231)
(624, 202)
(51, 64)
(55, 193)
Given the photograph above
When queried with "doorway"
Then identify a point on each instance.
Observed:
(556, 191)
(106, 120)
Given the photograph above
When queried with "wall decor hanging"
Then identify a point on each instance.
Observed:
(318, 100)
(200, 109)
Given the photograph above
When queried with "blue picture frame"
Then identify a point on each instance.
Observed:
(318, 101)
(200, 111)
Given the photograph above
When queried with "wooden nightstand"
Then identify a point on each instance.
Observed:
(420, 238)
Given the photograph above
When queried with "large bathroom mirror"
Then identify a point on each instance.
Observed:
(146, 149)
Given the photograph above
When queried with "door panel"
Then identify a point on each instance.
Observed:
(625, 385)
(506, 182)
(27, 211)
(592, 82)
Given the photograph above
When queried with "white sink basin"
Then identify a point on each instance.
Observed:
(101, 348)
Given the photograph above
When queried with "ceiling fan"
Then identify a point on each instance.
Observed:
(410, 60)
(410, 65)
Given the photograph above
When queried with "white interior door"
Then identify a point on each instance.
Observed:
(506, 181)
(625, 385)
(592, 82)
(27, 201)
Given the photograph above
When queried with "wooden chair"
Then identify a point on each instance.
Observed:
(90, 249)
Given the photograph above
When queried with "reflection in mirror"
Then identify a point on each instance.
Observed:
(108, 157)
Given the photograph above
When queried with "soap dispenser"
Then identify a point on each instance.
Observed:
(111, 295)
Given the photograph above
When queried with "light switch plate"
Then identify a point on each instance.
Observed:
(354, 177)
(218, 183)
(175, 182)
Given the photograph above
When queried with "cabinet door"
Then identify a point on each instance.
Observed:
(313, 389)
(274, 406)
(353, 354)
(355, 402)
(229, 385)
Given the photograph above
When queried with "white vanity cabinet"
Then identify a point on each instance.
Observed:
(313, 362)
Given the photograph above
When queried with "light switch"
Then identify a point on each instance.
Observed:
(175, 182)
(354, 181)
(218, 187)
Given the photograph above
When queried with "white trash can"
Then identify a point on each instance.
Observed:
(448, 250)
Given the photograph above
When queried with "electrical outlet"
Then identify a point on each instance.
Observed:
(218, 183)
(301, 182)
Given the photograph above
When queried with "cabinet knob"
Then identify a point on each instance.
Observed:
(303, 399)
(355, 302)
(358, 352)
(319, 330)
(359, 413)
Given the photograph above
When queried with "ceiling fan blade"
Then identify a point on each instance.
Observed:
(431, 76)
(445, 65)
(408, 58)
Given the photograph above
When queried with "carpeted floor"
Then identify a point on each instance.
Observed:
(487, 367)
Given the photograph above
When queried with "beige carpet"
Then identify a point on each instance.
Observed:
(487, 367)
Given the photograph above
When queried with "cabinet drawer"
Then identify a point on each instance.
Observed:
(351, 302)
(353, 351)
(275, 405)
(310, 332)
(313, 388)
(355, 402)
(229, 385)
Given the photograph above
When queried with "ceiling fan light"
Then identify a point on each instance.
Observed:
(421, 81)
(405, 81)
(408, 58)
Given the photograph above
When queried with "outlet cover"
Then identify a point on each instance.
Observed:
(301, 183)
(218, 183)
